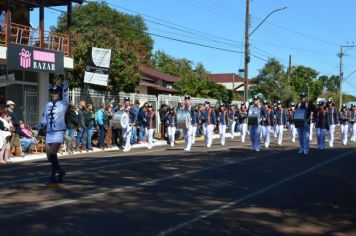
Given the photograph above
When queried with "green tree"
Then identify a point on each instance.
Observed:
(304, 79)
(272, 83)
(95, 24)
(193, 80)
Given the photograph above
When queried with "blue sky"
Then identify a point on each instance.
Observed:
(310, 30)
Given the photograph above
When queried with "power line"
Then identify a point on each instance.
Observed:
(200, 33)
(299, 33)
(193, 43)
(295, 48)
(171, 25)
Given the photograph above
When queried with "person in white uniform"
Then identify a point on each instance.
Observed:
(209, 121)
(54, 125)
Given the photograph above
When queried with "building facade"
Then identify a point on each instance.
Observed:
(24, 75)
(232, 82)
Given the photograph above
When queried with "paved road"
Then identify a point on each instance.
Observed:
(226, 190)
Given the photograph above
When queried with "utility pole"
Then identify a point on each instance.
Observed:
(233, 84)
(247, 50)
(289, 69)
(247, 46)
(341, 54)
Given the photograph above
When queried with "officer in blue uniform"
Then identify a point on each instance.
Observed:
(255, 130)
(224, 122)
(281, 121)
(333, 120)
(209, 121)
(267, 123)
(188, 132)
(304, 132)
(321, 124)
(171, 122)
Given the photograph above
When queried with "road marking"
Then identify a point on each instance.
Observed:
(47, 205)
(251, 195)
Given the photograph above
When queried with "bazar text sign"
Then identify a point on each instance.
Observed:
(26, 58)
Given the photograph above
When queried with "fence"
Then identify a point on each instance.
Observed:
(97, 98)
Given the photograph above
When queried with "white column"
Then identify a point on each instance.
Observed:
(43, 95)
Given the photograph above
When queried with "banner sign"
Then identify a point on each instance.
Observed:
(97, 68)
(25, 58)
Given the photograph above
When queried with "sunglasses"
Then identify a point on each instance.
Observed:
(55, 92)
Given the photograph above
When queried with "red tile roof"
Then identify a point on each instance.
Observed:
(226, 78)
(148, 71)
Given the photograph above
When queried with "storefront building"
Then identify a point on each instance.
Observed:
(29, 56)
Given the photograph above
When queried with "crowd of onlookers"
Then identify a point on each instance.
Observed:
(85, 127)
(16, 138)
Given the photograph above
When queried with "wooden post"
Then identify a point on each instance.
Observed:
(41, 26)
(69, 27)
(8, 22)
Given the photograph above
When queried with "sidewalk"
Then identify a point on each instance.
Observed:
(39, 156)
(157, 143)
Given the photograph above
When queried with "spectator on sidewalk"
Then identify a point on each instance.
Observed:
(81, 128)
(89, 125)
(72, 124)
(134, 112)
(5, 136)
(102, 122)
(26, 140)
(110, 124)
(142, 122)
(15, 138)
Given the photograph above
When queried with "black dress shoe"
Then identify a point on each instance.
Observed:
(60, 176)
(51, 180)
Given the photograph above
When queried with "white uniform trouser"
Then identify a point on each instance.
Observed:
(188, 138)
(150, 133)
(171, 135)
(232, 129)
(243, 131)
(222, 131)
(353, 132)
(255, 135)
(279, 129)
(194, 133)
(320, 134)
(275, 131)
(208, 134)
(127, 137)
(266, 133)
(344, 133)
(311, 132)
(331, 135)
(293, 132)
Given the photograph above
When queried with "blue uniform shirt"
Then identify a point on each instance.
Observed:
(209, 117)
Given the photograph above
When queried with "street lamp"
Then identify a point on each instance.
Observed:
(247, 50)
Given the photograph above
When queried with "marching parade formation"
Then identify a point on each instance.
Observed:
(127, 123)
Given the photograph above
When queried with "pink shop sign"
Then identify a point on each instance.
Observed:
(44, 56)
(25, 58)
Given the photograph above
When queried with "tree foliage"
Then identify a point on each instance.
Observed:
(272, 82)
(95, 24)
(194, 81)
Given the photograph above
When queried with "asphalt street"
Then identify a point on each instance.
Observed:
(224, 190)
